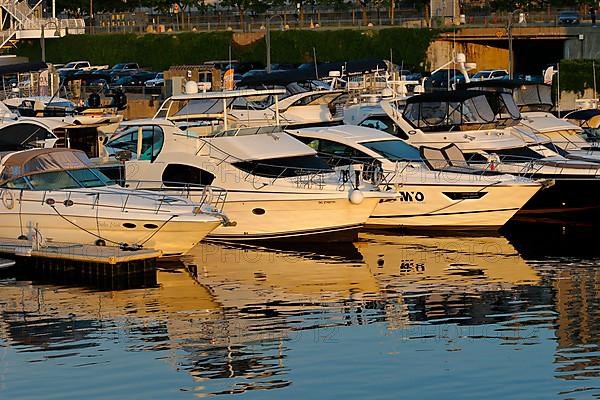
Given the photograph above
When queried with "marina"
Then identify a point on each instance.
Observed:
(327, 200)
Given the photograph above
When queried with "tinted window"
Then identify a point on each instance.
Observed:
(394, 150)
(152, 141)
(519, 154)
(177, 175)
(384, 123)
(284, 167)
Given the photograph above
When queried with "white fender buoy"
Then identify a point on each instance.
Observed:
(191, 87)
(356, 196)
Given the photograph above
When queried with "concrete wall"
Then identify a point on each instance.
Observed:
(585, 45)
(486, 57)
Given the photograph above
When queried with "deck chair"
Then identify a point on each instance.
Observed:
(434, 158)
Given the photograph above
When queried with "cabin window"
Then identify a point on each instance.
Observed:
(337, 154)
(22, 135)
(394, 150)
(152, 141)
(385, 124)
(284, 167)
(177, 175)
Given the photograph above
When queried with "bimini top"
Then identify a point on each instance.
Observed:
(207, 105)
(351, 67)
(442, 111)
(277, 78)
(31, 162)
(583, 115)
(228, 94)
(497, 84)
(529, 96)
(443, 96)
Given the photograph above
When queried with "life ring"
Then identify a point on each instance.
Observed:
(8, 199)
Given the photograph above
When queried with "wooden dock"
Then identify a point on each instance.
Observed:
(105, 266)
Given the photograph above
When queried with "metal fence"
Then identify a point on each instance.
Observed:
(312, 19)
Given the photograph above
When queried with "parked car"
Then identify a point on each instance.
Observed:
(158, 80)
(123, 69)
(490, 74)
(444, 79)
(569, 17)
(138, 79)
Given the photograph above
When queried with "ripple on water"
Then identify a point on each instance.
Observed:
(409, 316)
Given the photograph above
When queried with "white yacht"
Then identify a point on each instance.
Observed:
(466, 119)
(533, 121)
(429, 199)
(56, 194)
(277, 187)
(293, 106)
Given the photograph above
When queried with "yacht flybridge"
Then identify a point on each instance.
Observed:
(57, 195)
(278, 189)
(250, 107)
(531, 104)
(466, 119)
(429, 199)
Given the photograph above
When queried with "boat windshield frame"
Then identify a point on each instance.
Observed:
(541, 92)
(433, 113)
(69, 179)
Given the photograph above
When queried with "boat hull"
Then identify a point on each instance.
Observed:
(566, 196)
(294, 217)
(82, 222)
(438, 207)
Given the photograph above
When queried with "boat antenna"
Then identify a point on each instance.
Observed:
(594, 74)
(558, 88)
(316, 68)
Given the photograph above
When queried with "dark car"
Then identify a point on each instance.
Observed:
(134, 80)
(444, 79)
(569, 18)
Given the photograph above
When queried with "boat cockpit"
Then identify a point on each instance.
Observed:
(50, 169)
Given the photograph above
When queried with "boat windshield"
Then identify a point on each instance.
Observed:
(394, 150)
(504, 106)
(84, 178)
(534, 97)
(440, 115)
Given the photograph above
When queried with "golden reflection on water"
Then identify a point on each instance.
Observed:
(231, 298)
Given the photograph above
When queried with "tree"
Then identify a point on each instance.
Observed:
(364, 7)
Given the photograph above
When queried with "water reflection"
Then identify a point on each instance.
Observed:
(240, 319)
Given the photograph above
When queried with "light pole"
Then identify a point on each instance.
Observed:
(510, 44)
(268, 39)
(43, 38)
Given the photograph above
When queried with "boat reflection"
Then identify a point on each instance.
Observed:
(235, 315)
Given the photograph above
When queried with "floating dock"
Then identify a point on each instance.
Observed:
(105, 266)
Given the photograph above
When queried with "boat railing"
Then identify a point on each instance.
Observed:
(209, 195)
(196, 193)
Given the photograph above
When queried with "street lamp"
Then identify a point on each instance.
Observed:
(510, 43)
(43, 39)
(268, 39)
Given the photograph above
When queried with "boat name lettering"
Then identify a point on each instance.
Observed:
(411, 196)
(327, 202)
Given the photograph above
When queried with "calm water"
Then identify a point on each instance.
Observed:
(392, 316)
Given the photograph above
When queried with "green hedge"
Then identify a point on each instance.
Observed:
(577, 75)
(158, 51)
